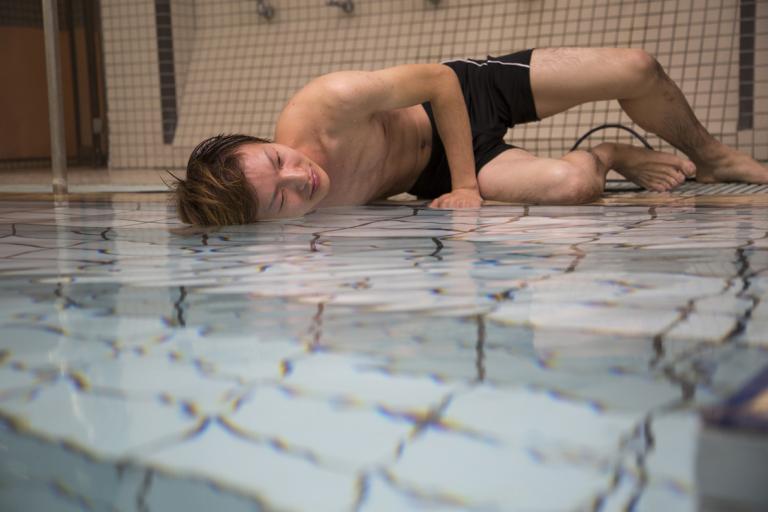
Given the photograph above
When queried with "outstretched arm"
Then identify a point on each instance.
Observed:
(361, 93)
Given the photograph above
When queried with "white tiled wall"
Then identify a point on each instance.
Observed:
(234, 70)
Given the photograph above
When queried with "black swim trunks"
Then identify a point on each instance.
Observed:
(497, 92)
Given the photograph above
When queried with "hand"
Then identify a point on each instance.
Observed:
(459, 198)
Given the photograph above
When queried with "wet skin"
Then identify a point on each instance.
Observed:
(290, 184)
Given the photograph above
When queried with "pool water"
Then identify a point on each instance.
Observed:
(378, 358)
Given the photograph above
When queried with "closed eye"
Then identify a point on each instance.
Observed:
(279, 161)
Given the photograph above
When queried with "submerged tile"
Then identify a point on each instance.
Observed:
(665, 496)
(595, 318)
(362, 380)
(340, 435)
(672, 461)
(12, 379)
(476, 473)
(703, 327)
(152, 378)
(533, 421)
(166, 492)
(72, 477)
(261, 471)
(382, 496)
(37, 497)
(101, 425)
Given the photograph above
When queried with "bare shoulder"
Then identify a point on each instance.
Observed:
(327, 105)
(333, 94)
(347, 101)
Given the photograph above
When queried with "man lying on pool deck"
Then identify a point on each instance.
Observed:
(436, 131)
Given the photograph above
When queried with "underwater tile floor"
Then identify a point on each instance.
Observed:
(378, 358)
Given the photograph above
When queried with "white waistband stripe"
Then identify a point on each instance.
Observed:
(485, 63)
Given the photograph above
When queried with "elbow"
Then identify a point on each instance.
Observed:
(446, 83)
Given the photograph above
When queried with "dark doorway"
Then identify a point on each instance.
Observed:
(24, 133)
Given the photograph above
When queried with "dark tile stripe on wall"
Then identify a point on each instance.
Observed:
(747, 65)
(167, 69)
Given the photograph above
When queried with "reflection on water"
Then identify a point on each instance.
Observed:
(373, 358)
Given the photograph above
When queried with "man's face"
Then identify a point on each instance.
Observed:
(287, 183)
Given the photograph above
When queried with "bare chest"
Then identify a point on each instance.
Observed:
(378, 158)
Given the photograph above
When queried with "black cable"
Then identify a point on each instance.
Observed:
(604, 126)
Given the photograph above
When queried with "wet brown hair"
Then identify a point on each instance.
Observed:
(215, 191)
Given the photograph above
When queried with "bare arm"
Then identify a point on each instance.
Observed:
(360, 93)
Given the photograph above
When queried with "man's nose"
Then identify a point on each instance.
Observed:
(294, 175)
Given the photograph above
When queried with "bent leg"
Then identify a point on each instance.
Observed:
(563, 78)
(578, 177)
(517, 176)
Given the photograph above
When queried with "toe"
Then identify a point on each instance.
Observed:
(688, 168)
(670, 181)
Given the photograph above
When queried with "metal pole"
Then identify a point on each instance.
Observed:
(55, 98)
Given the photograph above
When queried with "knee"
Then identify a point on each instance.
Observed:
(576, 185)
(642, 68)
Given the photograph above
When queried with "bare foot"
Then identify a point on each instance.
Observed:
(727, 164)
(652, 170)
